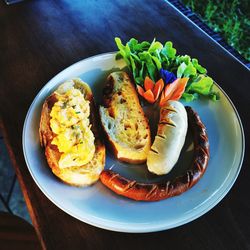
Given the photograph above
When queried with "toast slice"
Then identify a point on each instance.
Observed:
(78, 174)
(123, 120)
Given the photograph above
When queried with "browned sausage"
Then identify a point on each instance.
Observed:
(158, 191)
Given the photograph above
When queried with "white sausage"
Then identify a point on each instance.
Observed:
(170, 138)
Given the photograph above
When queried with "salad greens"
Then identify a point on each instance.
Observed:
(152, 59)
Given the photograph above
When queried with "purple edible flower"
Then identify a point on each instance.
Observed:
(167, 76)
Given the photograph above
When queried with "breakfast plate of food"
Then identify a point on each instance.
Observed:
(138, 140)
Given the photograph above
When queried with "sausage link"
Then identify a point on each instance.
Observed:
(159, 191)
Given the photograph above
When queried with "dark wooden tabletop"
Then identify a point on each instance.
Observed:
(41, 38)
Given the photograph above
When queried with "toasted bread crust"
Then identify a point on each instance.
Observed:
(123, 112)
(76, 176)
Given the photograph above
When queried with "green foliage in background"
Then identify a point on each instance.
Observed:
(231, 18)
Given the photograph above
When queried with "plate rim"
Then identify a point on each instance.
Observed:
(131, 227)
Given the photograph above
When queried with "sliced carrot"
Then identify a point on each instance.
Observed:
(148, 83)
(149, 96)
(162, 99)
(158, 88)
(174, 90)
(180, 89)
(140, 90)
(170, 88)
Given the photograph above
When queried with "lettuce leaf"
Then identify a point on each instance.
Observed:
(202, 86)
(168, 50)
(199, 68)
(149, 59)
(154, 46)
(186, 70)
(151, 67)
(189, 97)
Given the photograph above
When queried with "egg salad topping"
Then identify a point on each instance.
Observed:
(70, 122)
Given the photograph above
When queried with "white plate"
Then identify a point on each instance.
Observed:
(97, 205)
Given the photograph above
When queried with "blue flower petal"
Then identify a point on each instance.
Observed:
(167, 76)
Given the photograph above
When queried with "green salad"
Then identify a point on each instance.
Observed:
(158, 61)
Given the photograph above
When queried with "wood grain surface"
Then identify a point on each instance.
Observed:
(40, 38)
(16, 233)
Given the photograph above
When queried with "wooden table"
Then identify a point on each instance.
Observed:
(41, 38)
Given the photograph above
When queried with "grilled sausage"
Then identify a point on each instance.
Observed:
(158, 191)
(170, 138)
